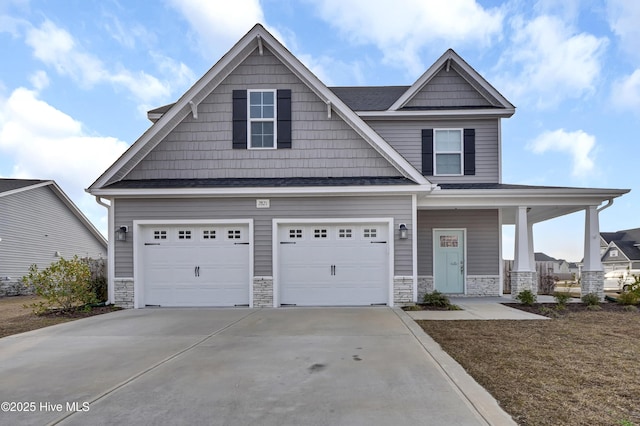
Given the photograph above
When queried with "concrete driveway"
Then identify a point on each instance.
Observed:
(290, 366)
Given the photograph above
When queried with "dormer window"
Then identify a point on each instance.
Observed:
(613, 253)
(262, 119)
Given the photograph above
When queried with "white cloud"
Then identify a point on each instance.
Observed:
(548, 62)
(219, 24)
(623, 17)
(55, 47)
(402, 30)
(39, 80)
(42, 142)
(579, 145)
(625, 92)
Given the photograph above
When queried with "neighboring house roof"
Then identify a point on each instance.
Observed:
(14, 186)
(541, 257)
(7, 185)
(256, 38)
(627, 241)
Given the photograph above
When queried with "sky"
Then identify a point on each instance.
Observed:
(77, 78)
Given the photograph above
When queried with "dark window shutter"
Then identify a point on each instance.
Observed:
(284, 119)
(469, 151)
(239, 119)
(427, 152)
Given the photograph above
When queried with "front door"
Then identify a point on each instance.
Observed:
(449, 267)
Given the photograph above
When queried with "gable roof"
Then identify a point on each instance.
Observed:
(627, 241)
(542, 257)
(15, 186)
(257, 38)
(448, 59)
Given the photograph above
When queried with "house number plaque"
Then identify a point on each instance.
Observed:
(263, 204)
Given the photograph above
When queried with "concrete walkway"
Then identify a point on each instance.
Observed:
(479, 308)
(307, 366)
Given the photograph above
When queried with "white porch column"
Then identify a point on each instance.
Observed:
(522, 275)
(592, 278)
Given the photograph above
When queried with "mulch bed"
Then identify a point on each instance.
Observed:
(545, 308)
(81, 313)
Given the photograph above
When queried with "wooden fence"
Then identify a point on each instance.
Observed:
(546, 277)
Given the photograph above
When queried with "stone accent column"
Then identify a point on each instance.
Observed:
(425, 285)
(521, 281)
(402, 290)
(262, 292)
(523, 273)
(592, 282)
(123, 292)
(592, 278)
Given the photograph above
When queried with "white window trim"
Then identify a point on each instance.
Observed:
(436, 152)
(263, 120)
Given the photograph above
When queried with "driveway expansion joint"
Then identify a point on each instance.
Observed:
(156, 365)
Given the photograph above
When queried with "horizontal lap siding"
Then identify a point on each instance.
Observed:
(34, 225)
(128, 210)
(406, 137)
(483, 238)
(321, 146)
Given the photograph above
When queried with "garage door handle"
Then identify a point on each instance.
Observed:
(241, 244)
(287, 242)
(151, 244)
(378, 242)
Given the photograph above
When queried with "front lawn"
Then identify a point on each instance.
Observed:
(579, 369)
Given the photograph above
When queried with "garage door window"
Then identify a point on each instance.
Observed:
(370, 233)
(209, 234)
(159, 235)
(184, 235)
(295, 233)
(319, 233)
(234, 234)
(344, 233)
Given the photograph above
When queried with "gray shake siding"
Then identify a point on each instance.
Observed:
(321, 146)
(406, 137)
(448, 89)
(483, 234)
(34, 225)
(128, 210)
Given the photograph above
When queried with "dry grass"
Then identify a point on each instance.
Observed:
(582, 369)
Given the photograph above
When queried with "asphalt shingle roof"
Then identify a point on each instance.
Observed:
(258, 182)
(11, 184)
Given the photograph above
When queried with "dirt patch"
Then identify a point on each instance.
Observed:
(578, 369)
(16, 318)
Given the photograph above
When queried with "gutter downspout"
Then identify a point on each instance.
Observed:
(606, 206)
(110, 253)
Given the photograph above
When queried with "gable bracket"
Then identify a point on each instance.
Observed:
(194, 109)
(448, 64)
(260, 48)
(328, 109)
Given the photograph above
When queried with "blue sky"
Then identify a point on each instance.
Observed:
(78, 77)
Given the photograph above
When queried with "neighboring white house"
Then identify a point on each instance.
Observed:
(38, 225)
(261, 186)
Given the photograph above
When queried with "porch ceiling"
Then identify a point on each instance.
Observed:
(544, 203)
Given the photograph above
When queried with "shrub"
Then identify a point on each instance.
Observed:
(436, 298)
(526, 297)
(630, 308)
(591, 299)
(561, 300)
(65, 284)
(628, 298)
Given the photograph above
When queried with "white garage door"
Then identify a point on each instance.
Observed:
(333, 264)
(203, 265)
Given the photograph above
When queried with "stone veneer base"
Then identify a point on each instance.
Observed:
(123, 292)
(592, 282)
(521, 281)
(262, 292)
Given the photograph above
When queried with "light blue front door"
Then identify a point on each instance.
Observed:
(449, 264)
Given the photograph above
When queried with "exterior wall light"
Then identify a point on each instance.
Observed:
(121, 233)
(404, 232)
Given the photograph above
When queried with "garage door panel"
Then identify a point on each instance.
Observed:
(333, 264)
(199, 265)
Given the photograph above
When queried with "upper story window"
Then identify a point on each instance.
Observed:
(262, 119)
(448, 151)
(613, 253)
